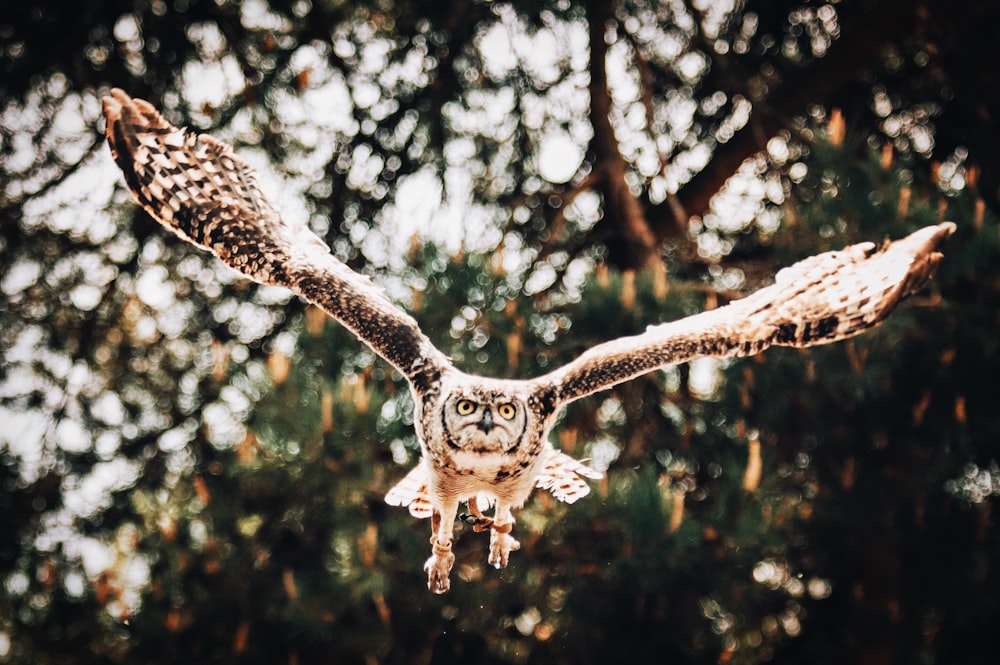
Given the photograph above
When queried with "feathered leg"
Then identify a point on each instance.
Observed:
(501, 542)
(438, 566)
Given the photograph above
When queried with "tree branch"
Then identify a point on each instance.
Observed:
(622, 209)
(867, 28)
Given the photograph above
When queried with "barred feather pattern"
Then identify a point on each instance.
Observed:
(564, 476)
(196, 187)
(819, 300)
(411, 493)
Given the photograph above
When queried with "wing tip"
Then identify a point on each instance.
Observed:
(923, 248)
(123, 115)
(126, 115)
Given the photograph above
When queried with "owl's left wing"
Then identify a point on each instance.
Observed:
(818, 300)
(197, 187)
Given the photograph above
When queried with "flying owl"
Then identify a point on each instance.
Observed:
(484, 441)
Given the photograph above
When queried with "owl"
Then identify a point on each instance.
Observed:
(484, 441)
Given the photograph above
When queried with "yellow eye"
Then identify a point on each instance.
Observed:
(465, 407)
(507, 411)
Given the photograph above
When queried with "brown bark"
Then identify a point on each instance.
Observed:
(637, 229)
(622, 209)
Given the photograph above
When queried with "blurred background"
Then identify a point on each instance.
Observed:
(193, 466)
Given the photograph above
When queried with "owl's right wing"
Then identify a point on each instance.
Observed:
(818, 300)
(198, 188)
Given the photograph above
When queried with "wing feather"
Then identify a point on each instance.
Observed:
(412, 492)
(198, 188)
(819, 300)
(564, 476)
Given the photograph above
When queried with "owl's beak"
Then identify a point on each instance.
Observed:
(486, 424)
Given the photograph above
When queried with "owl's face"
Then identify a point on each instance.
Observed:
(484, 421)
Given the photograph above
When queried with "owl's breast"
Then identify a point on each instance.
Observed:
(461, 473)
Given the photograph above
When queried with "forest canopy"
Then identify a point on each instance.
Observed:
(193, 465)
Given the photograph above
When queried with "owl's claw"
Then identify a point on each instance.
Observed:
(479, 522)
(475, 516)
(438, 566)
(501, 545)
(437, 569)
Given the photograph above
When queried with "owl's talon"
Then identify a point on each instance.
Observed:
(501, 545)
(479, 522)
(437, 568)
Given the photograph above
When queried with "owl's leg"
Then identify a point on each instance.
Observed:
(501, 542)
(439, 564)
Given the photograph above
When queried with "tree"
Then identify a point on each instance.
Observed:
(194, 466)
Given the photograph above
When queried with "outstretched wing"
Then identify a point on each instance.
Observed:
(821, 299)
(198, 188)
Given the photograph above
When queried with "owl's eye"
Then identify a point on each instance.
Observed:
(507, 411)
(465, 407)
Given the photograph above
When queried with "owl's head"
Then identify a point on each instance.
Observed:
(484, 420)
